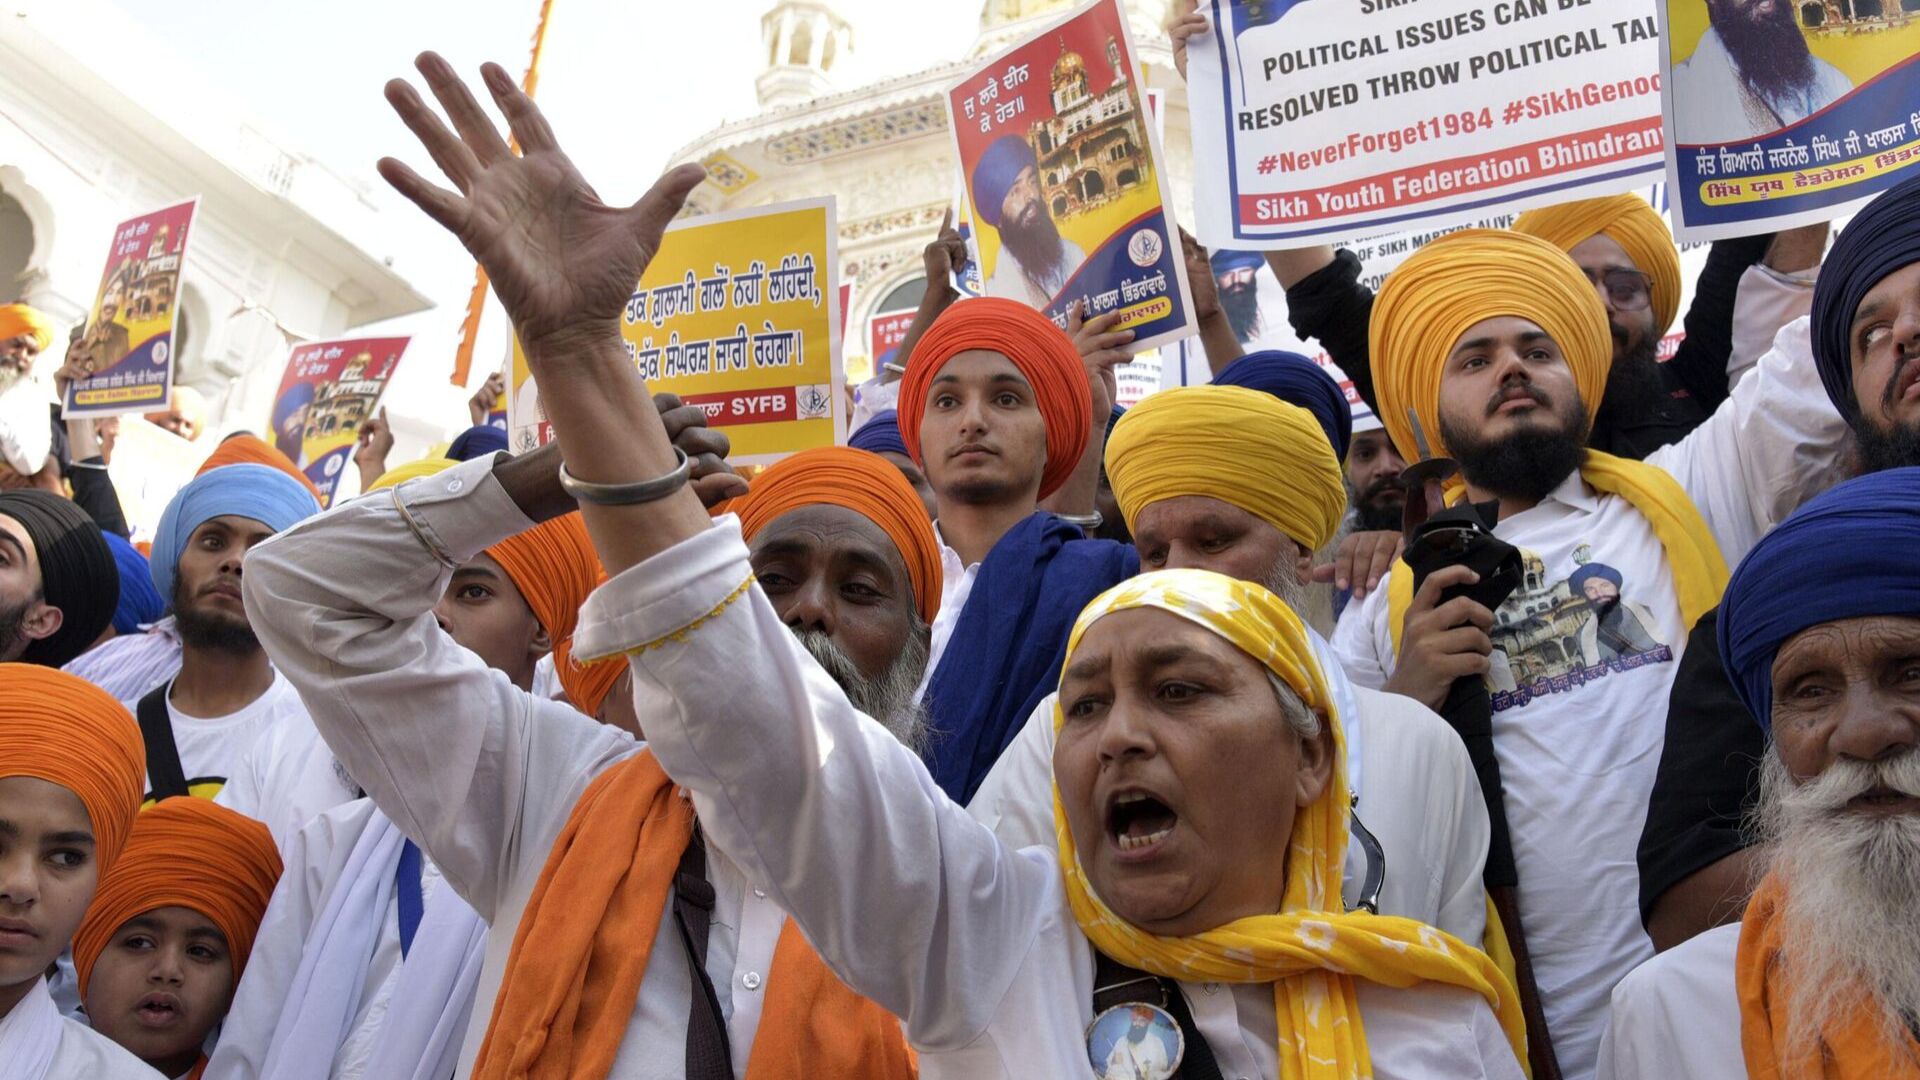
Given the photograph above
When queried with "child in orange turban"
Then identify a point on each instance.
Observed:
(170, 929)
(71, 765)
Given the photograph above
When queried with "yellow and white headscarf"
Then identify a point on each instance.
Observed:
(1310, 950)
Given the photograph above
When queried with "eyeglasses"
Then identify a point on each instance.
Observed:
(1627, 290)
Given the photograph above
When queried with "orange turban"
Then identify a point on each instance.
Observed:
(587, 685)
(868, 485)
(248, 449)
(185, 852)
(1443, 289)
(67, 731)
(23, 319)
(555, 568)
(1627, 220)
(1042, 352)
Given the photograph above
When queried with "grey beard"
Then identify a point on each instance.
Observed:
(1284, 582)
(1849, 880)
(889, 698)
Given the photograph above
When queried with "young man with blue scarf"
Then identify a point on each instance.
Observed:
(997, 406)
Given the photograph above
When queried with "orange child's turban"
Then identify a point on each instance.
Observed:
(63, 729)
(248, 449)
(1043, 353)
(587, 684)
(1445, 288)
(189, 853)
(865, 483)
(1627, 220)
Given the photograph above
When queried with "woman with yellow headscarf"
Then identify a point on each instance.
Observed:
(1202, 818)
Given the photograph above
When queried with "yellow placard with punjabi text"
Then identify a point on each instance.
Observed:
(738, 314)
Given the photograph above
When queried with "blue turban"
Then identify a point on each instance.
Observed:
(1587, 572)
(880, 435)
(1224, 261)
(995, 172)
(1296, 380)
(1114, 418)
(1880, 239)
(140, 603)
(256, 492)
(1845, 554)
(477, 441)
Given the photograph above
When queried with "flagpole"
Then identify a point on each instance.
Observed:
(477, 300)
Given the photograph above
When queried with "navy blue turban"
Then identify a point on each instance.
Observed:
(1879, 240)
(140, 602)
(1589, 571)
(1225, 261)
(1296, 380)
(880, 435)
(1845, 554)
(995, 172)
(256, 492)
(477, 441)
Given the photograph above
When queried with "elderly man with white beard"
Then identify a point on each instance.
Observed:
(1821, 978)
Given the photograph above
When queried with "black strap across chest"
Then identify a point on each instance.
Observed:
(165, 777)
(1114, 984)
(708, 1055)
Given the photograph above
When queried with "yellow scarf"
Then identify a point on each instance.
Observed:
(1311, 951)
(1699, 570)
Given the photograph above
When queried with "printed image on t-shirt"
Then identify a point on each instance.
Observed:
(1553, 636)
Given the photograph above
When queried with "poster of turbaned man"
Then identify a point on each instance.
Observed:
(1787, 112)
(1062, 166)
(127, 346)
(1319, 121)
(330, 388)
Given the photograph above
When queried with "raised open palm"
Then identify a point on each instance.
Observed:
(562, 262)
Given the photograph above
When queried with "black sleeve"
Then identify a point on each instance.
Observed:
(93, 492)
(1709, 775)
(1701, 361)
(1332, 307)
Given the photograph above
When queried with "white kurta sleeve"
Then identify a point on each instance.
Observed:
(1764, 301)
(1361, 642)
(475, 770)
(1774, 443)
(1016, 798)
(909, 900)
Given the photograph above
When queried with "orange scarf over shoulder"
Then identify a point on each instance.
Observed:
(1849, 1050)
(580, 952)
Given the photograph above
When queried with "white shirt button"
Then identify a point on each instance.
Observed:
(1211, 988)
(454, 486)
(751, 980)
(759, 894)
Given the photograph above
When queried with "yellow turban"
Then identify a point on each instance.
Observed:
(1246, 448)
(1627, 220)
(1310, 950)
(1462, 279)
(412, 470)
(17, 320)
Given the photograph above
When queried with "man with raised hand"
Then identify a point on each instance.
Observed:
(620, 943)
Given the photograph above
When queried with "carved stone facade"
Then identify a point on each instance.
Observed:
(885, 153)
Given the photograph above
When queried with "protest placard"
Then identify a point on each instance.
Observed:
(1329, 120)
(1787, 113)
(1063, 168)
(885, 332)
(738, 313)
(128, 340)
(328, 389)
